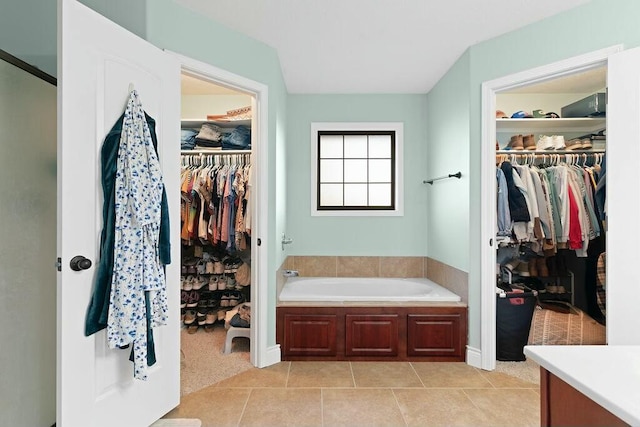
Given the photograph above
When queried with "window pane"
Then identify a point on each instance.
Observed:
(355, 171)
(380, 170)
(380, 146)
(355, 146)
(330, 146)
(379, 194)
(330, 194)
(331, 170)
(355, 194)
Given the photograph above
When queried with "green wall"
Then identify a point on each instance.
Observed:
(358, 236)
(594, 26)
(448, 135)
(172, 27)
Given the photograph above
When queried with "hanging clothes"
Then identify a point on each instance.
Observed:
(138, 290)
(98, 311)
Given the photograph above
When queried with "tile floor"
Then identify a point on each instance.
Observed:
(365, 394)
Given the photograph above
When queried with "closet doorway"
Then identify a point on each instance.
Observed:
(545, 88)
(223, 124)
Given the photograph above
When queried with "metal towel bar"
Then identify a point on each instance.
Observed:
(451, 175)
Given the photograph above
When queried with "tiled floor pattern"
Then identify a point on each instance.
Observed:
(365, 394)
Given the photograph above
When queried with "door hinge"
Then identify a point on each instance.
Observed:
(259, 241)
(490, 242)
(59, 264)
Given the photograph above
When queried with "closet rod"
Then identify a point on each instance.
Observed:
(539, 153)
(215, 152)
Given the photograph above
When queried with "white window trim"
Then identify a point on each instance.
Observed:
(398, 127)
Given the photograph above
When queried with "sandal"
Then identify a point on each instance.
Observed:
(194, 297)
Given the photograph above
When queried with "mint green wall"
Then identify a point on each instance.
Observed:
(405, 235)
(596, 25)
(172, 27)
(28, 32)
(448, 135)
(28, 28)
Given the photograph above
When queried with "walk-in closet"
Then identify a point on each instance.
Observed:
(551, 213)
(216, 219)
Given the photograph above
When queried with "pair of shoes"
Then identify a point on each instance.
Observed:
(515, 143)
(192, 299)
(198, 283)
(553, 142)
(187, 283)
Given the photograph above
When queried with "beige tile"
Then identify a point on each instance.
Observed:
(271, 376)
(316, 266)
(501, 380)
(289, 263)
(358, 266)
(320, 374)
(205, 405)
(507, 407)
(435, 271)
(457, 281)
(401, 267)
(450, 375)
(439, 407)
(283, 407)
(384, 374)
(360, 407)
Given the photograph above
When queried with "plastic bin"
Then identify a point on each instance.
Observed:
(514, 313)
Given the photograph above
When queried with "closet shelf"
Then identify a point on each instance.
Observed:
(581, 124)
(197, 123)
(539, 152)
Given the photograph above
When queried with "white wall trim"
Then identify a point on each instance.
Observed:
(398, 127)
(474, 357)
(273, 355)
(261, 355)
(488, 180)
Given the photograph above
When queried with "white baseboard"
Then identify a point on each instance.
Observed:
(474, 357)
(273, 356)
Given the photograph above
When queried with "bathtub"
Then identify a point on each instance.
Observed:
(329, 318)
(356, 289)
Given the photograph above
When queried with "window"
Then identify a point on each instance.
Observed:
(356, 169)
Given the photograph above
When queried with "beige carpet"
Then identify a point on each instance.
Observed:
(202, 361)
(526, 371)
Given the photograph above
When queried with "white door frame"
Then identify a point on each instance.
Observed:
(260, 354)
(488, 180)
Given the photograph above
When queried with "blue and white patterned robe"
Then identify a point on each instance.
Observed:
(137, 268)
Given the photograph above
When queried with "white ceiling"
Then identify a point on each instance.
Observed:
(372, 46)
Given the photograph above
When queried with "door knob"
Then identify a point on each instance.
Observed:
(79, 262)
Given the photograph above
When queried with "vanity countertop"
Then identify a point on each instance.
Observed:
(608, 375)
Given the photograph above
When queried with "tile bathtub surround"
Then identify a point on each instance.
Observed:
(457, 281)
(365, 393)
(356, 266)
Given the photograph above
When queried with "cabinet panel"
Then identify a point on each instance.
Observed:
(372, 335)
(561, 404)
(434, 335)
(310, 334)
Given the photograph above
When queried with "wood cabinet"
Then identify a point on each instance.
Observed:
(434, 333)
(563, 405)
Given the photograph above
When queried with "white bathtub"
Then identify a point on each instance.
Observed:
(364, 289)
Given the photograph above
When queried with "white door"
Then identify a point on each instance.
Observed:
(97, 61)
(623, 198)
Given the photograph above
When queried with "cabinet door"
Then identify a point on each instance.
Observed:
(372, 335)
(310, 335)
(435, 335)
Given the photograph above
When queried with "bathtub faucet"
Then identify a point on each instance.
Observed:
(290, 273)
